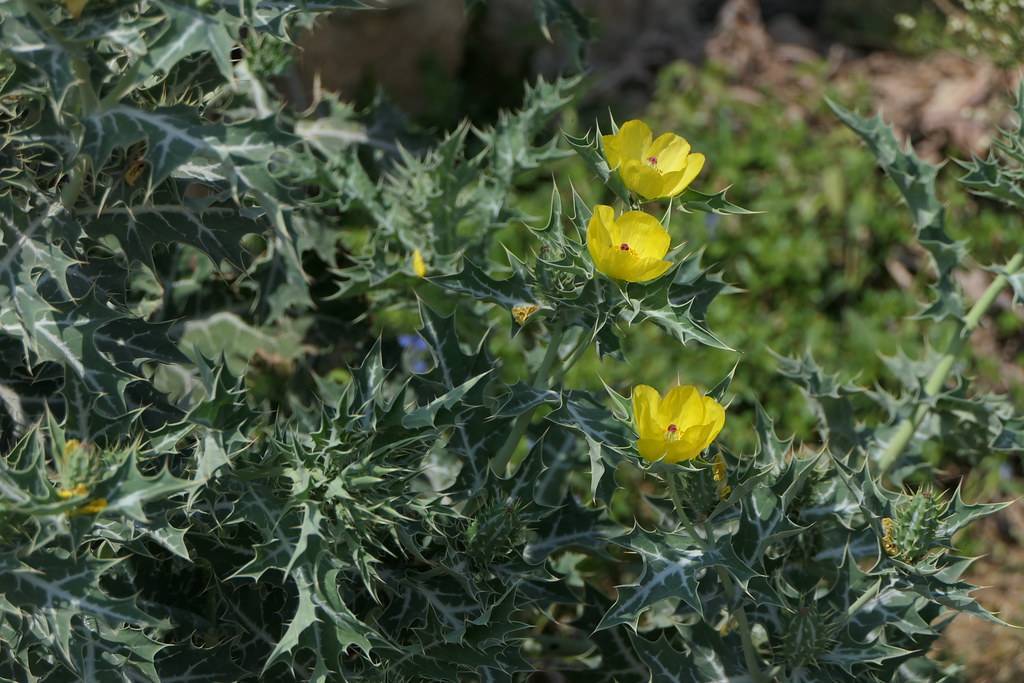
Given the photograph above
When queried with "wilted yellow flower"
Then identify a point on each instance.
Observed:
(891, 549)
(78, 490)
(75, 7)
(521, 312)
(134, 171)
(418, 265)
(678, 426)
(719, 472)
(653, 168)
(93, 507)
(631, 248)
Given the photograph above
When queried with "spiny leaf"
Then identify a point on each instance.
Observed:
(916, 182)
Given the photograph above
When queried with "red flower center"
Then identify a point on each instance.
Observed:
(624, 247)
(672, 429)
(653, 161)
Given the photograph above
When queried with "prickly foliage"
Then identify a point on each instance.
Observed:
(192, 488)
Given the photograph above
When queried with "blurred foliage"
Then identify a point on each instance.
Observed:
(989, 29)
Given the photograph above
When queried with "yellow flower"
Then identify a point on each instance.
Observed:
(631, 248)
(418, 265)
(653, 168)
(678, 426)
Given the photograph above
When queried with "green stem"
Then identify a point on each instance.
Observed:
(582, 346)
(125, 84)
(677, 501)
(906, 429)
(499, 465)
(743, 625)
(76, 179)
(864, 598)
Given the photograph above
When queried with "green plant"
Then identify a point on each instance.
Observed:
(193, 488)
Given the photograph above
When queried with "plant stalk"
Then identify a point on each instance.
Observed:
(750, 656)
(499, 465)
(73, 187)
(906, 429)
(864, 599)
(677, 502)
(581, 348)
(743, 626)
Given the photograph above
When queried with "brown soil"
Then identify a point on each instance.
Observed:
(992, 653)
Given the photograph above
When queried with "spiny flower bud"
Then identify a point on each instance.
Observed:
(494, 533)
(809, 633)
(79, 465)
(910, 534)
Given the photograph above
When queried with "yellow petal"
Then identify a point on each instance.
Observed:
(648, 269)
(714, 417)
(678, 451)
(418, 265)
(605, 216)
(688, 446)
(623, 265)
(652, 449)
(694, 164)
(642, 178)
(629, 143)
(683, 406)
(599, 242)
(670, 151)
(644, 234)
(646, 402)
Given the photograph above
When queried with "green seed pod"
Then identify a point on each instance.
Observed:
(701, 490)
(79, 464)
(809, 633)
(495, 533)
(910, 534)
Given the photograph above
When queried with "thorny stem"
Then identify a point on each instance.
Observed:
(582, 346)
(76, 179)
(540, 381)
(123, 86)
(906, 429)
(864, 598)
(750, 656)
(743, 626)
(677, 501)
